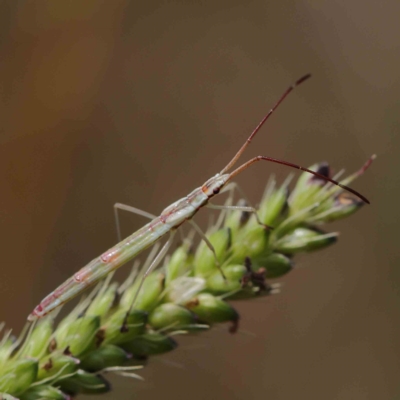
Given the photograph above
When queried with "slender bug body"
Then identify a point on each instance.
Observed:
(168, 221)
(171, 218)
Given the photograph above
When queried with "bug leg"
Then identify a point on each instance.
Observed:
(247, 209)
(231, 187)
(146, 273)
(134, 210)
(209, 245)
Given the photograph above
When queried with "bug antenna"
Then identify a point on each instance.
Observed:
(253, 160)
(258, 127)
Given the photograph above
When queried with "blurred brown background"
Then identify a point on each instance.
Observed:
(105, 101)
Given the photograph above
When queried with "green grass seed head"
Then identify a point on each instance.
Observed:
(187, 294)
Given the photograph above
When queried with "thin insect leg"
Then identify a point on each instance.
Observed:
(221, 218)
(131, 277)
(134, 210)
(135, 268)
(209, 245)
(229, 187)
(251, 210)
(181, 233)
(232, 186)
(151, 267)
(187, 242)
(105, 285)
(120, 206)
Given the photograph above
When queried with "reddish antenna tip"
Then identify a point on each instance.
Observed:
(258, 127)
(302, 79)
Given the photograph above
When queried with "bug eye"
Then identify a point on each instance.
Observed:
(216, 190)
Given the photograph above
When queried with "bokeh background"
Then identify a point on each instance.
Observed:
(139, 102)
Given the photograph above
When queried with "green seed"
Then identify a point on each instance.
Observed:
(104, 357)
(84, 382)
(36, 346)
(171, 316)
(150, 344)
(149, 294)
(204, 259)
(271, 208)
(57, 364)
(184, 288)
(308, 188)
(276, 265)
(304, 239)
(79, 336)
(120, 328)
(212, 309)
(343, 206)
(103, 302)
(234, 275)
(18, 376)
(6, 349)
(179, 264)
(251, 243)
(43, 392)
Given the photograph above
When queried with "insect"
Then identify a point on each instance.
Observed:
(167, 222)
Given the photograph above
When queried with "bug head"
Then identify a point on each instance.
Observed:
(214, 185)
(37, 313)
